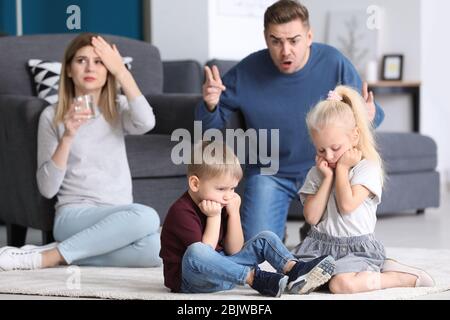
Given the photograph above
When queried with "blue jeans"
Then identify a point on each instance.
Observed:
(205, 270)
(266, 204)
(118, 236)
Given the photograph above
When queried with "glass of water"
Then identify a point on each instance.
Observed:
(85, 103)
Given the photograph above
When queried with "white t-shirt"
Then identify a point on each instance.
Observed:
(362, 220)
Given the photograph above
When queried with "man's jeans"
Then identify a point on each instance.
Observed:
(266, 204)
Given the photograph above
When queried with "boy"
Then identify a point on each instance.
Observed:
(202, 243)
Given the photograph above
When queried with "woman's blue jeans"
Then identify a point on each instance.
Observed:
(118, 236)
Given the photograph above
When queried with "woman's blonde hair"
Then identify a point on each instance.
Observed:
(210, 159)
(348, 113)
(108, 95)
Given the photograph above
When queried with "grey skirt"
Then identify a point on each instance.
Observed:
(352, 254)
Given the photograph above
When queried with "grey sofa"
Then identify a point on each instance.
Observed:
(182, 76)
(410, 159)
(156, 181)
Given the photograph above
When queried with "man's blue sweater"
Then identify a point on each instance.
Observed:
(269, 99)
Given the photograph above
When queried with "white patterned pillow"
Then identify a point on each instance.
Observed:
(46, 76)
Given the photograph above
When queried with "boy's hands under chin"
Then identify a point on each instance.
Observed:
(350, 158)
(210, 208)
(234, 205)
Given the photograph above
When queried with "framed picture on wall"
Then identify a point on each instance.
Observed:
(392, 67)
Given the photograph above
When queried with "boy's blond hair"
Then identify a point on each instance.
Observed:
(210, 159)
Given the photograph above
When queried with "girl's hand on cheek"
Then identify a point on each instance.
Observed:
(323, 166)
(350, 158)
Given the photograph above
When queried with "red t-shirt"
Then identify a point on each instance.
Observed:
(183, 226)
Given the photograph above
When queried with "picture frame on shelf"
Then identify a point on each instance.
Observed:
(392, 69)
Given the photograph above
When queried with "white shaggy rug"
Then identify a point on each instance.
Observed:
(131, 283)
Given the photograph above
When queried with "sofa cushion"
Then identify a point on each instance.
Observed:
(407, 152)
(159, 193)
(183, 76)
(174, 111)
(15, 52)
(149, 156)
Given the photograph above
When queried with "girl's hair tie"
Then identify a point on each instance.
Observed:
(333, 96)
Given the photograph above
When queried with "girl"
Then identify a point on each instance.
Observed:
(340, 197)
(82, 160)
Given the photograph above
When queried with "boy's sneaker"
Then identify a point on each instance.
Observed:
(12, 258)
(269, 283)
(305, 277)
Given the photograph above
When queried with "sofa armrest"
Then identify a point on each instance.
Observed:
(174, 111)
(20, 200)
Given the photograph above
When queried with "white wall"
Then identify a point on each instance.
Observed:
(179, 28)
(203, 30)
(435, 64)
(233, 37)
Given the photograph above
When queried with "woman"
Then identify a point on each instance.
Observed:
(82, 160)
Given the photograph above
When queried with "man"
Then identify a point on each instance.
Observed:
(274, 89)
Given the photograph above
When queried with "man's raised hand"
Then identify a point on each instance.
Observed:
(213, 87)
